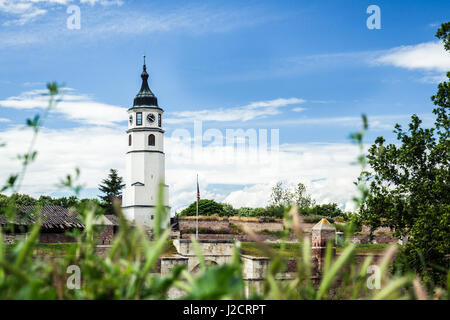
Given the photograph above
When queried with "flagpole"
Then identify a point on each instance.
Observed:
(196, 224)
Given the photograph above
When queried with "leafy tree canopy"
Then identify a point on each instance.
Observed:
(21, 200)
(206, 207)
(283, 196)
(325, 210)
(410, 184)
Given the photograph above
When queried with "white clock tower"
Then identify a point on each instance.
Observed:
(145, 158)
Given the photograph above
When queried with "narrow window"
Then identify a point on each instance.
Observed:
(159, 120)
(129, 139)
(151, 140)
(139, 118)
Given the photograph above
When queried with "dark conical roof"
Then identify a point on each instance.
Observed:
(145, 96)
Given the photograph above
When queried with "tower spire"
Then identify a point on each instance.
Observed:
(145, 96)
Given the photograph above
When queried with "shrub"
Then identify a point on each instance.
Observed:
(228, 210)
(315, 219)
(274, 211)
(206, 207)
(326, 210)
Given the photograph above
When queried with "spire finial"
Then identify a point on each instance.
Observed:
(144, 59)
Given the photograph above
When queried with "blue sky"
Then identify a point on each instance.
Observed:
(306, 68)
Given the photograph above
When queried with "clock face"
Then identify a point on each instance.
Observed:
(151, 117)
(131, 119)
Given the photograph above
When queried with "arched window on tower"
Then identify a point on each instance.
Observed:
(151, 140)
(129, 139)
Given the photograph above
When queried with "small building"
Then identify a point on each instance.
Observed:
(56, 222)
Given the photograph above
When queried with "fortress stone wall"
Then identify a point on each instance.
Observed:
(225, 224)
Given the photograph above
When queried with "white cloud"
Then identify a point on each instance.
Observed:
(4, 120)
(26, 11)
(429, 56)
(376, 122)
(99, 23)
(433, 79)
(75, 107)
(94, 150)
(298, 109)
(97, 149)
(248, 112)
(84, 109)
(26, 17)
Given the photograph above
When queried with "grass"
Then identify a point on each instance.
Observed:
(252, 249)
(316, 218)
(213, 217)
(255, 219)
(216, 217)
(203, 230)
(368, 248)
(278, 233)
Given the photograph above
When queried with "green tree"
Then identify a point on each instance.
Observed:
(278, 195)
(45, 200)
(326, 210)
(206, 207)
(410, 184)
(22, 200)
(283, 196)
(300, 197)
(111, 188)
(229, 210)
(69, 202)
(245, 212)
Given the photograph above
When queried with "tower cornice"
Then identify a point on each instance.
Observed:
(145, 107)
(145, 129)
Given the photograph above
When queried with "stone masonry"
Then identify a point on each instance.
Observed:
(322, 233)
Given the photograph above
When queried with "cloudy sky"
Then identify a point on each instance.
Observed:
(301, 72)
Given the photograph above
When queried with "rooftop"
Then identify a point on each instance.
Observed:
(54, 217)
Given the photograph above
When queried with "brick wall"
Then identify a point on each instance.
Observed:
(218, 236)
(55, 237)
(259, 226)
(225, 225)
(9, 238)
(106, 235)
(209, 224)
(168, 263)
(366, 229)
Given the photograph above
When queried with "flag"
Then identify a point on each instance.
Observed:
(198, 191)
